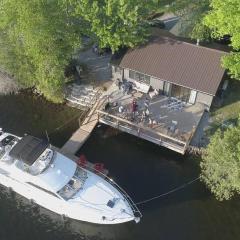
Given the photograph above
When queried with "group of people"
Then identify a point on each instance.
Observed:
(125, 86)
(145, 113)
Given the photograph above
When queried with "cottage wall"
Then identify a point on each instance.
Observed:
(156, 83)
(204, 98)
(159, 84)
(126, 75)
(116, 75)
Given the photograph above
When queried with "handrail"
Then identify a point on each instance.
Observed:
(166, 143)
(92, 112)
(142, 127)
(120, 189)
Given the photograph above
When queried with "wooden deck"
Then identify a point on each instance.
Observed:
(83, 133)
(144, 132)
(97, 114)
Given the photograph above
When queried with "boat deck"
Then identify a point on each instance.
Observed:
(89, 166)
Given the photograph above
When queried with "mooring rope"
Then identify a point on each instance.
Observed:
(67, 123)
(169, 192)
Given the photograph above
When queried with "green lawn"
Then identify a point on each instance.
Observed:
(230, 108)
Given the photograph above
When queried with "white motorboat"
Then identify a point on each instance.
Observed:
(30, 167)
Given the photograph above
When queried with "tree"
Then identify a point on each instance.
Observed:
(117, 23)
(220, 167)
(191, 13)
(37, 39)
(224, 19)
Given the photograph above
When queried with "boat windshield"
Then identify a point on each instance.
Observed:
(6, 145)
(74, 185)
(42, 163)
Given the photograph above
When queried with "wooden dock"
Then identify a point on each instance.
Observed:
(84, 131)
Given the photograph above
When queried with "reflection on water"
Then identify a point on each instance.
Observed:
(32, 114)
(20, 219)
(143, 170)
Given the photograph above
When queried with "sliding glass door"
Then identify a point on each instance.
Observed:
(184, 94)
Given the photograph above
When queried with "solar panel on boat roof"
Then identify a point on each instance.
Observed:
(28, 149)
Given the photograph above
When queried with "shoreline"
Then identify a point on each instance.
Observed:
(8, 85)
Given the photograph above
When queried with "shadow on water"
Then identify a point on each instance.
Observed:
(32, 114)
(145, 170)
(21, 220)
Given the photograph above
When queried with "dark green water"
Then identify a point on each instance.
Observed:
(143, 170)
(32, 114)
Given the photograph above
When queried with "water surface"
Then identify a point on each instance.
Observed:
(141, 168)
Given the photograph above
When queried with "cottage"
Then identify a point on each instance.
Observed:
(172, 82)
(189, 72)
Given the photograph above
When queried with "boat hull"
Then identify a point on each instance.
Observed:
(57, 205)
(96, 200)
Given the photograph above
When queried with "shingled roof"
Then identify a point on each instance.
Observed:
(178, 62)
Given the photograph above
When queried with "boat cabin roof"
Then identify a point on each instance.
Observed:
(28, 149)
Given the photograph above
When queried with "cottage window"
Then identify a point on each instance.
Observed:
(131, 74)
(139, 77)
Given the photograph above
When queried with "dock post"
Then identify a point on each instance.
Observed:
(139, 129)
(63, 219)
(79, 122)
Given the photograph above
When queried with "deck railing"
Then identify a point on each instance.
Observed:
(143, 132)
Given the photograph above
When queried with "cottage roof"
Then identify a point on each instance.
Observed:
(178, 62)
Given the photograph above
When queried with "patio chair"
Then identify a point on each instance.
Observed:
(154, 122)
(121, 109)
(147, 112)
(153, 93)
(172, 126)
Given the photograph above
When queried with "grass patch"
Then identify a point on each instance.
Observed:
(230, 109)
(231, 103)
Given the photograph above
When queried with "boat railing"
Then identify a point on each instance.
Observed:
(134, 207)
(127, 197)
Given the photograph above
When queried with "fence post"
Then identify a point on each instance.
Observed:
(98, 116)
(79, 122)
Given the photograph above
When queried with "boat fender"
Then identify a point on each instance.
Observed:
(137, 219)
